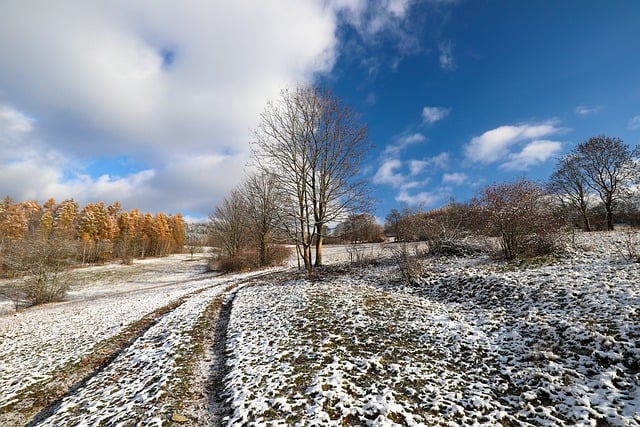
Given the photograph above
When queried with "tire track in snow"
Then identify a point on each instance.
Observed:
(124, 391)
(217, 368)
(130, 389)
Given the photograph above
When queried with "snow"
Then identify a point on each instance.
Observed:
(477, 342)
(37, 343)
(127, 390)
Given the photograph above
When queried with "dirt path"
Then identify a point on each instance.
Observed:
(130, 389)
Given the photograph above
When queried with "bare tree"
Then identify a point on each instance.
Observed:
(263, 201)
(392, 224)
(313, 144)
(569, 183)
(610, 167)
(229, 224)
(360, 228)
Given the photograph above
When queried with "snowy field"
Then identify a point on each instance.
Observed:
(477, 342)
(38, 345)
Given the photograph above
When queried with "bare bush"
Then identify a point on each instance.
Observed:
(630, 246)
(249, 259)
(518, 214)
(360, 255)
(408, 262)
(277, 255)
(43, 262)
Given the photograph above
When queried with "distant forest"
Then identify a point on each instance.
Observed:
(96, 233)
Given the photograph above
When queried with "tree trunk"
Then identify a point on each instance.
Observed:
(319, 242)
(609, 218)
(306, 256)
(587, 224)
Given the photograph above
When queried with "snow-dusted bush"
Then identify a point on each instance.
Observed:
(520, 216)
(408, 262)
(43, 263)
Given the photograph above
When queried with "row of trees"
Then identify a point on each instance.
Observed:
(519, 214)
(307, 151)
(590, 185)
(40, 242)
(97, 231)
(600, 174)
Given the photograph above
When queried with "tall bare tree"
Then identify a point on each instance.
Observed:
(610, 168)
(569, 183)
(313, 144)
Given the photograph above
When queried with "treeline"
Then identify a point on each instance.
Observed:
(592, 188)
(97, 233)
(41, 242)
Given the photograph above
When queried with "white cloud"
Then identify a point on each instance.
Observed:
(403, 142)
(394, 171)
(173, 86)
(422, 199)
(13, 122)
(433, 114)
(370, 19)
(634, 123)
(388, 173)
(456, 178)
(446, 56)
(496, 144)
(532, 154)
(151, 81)
(585, 111)
(418, 166)
(441, 160)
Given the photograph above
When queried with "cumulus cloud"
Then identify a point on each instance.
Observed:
(174, 86)
(533, 153)
(13, 123)
(423, 198)
(403, 142)
(634, 123)
(388, 173)
(371, 18)
(431, 115)
(497, 144)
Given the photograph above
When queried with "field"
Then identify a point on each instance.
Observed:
(477, 341)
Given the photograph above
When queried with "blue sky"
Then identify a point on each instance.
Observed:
(151, 103)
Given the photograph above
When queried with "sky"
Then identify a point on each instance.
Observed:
(152, 103)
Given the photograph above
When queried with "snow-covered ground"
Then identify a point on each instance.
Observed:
(477, 342)
(37, 343)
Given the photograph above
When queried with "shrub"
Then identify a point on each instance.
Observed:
(227, 264)
(519, 214)
(43, 263)
(409, 265)
(278, 254)
(248, 259)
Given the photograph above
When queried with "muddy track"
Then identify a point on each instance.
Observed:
(129, 388)
(217, 368)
